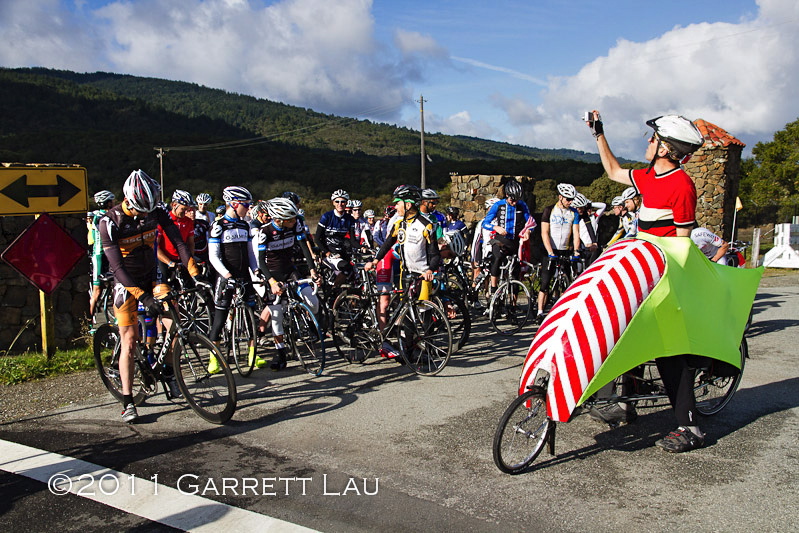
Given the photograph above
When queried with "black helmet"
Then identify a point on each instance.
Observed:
(513, 189)
(453, 211)
(220, 210)
(293, 196)
(408, 193)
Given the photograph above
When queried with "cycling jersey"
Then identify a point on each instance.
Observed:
(561, 221)
(512, 218)
(201, 230)
(276, 249)
(456, 225)
(336, 233)
(589, 236)
(669, 201)
(707, 241)
(203, 215)
(186, 227)
(230, 247)
(480, 242)
(99, 262)
(417, 244)
(129, 244)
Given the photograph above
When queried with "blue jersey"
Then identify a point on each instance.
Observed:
(334, 231)
(512, 218)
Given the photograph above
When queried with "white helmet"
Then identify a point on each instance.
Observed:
(281, 208)
(141, 191)
(566, 190)
(182, 197)
(102, 197)
(681, 136)
(235, 193)
(490, 202)
(204, 198)
(455, 241)
(617, 200)
(339, 193)
(369, 213)
(579, 200)
(629, 193)
(356, 204)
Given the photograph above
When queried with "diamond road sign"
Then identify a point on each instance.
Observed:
(34, 189)
(44, 253)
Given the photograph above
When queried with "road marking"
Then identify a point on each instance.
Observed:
(137, 496)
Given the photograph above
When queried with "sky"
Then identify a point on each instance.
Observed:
(518, 71)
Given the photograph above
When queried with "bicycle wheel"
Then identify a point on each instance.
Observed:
(107, 347)
(511, 307)
(195, 313)
(243, 336)
(306, 339)
(713, 393)
(212, 396)
(460, 320)
(424, 338)
(522, 432)
(354, 329)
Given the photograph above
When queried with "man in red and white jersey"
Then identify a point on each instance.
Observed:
(668, 209)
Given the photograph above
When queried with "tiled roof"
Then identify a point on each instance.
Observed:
(715, 136)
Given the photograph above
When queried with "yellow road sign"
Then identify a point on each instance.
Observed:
(33, 189)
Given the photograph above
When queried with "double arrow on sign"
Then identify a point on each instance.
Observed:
(20, 192)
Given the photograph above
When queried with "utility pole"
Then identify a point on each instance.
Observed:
(160, 157)
(421, 111)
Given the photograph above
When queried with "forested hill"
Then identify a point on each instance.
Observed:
(110, 123)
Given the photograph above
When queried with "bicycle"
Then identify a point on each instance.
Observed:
(525, 427)
(195, 308)
(304, 336)
(420, 327)
(458, 277)
(212, 396)
(105, 302)
(561, 278)
(511, 305)
(240, 333)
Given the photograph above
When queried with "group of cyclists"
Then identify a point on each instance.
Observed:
(142, 241)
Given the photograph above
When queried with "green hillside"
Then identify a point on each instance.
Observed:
(111, 123)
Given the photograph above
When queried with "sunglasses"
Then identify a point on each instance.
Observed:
(246, 205)
(339, 201)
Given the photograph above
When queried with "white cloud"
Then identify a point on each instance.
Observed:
(460, 123)
(742, 77)
(312, 53)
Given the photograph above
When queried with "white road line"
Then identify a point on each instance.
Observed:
(134, 495)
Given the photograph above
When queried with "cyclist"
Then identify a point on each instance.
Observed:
(427, 207)
(128, 234)
(560, 234)
(382, 225)
(506, 218)
(590, 213)
(335, 236)
(454, 223)
(308, 240)
(714, 247)
(363, 232)
(99, 262)
(628, 221)
(168, 258)
(232, 256)
(276, 245)
(418, 248)
(481, 243)
(203, 199)
(668, 209)
(369, 215)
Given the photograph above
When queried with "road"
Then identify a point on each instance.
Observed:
(382, 449)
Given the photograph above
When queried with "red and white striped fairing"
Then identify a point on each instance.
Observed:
(587, 321)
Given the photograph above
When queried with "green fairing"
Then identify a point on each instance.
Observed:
(698, 307)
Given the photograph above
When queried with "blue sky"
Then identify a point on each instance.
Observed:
(516, 71)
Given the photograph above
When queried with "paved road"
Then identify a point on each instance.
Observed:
(423, 445)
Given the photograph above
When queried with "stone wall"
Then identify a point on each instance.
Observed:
(19, 299)
(716, 171)
(470, 192)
